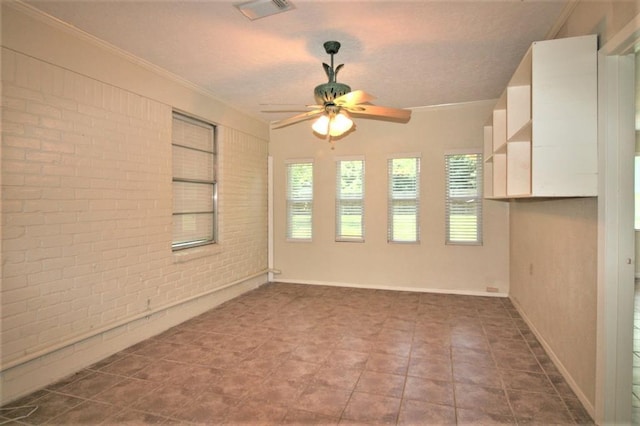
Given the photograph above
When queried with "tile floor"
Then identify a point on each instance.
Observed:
(296, 354)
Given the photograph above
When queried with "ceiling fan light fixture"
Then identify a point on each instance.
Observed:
(321, 125)
(334, 99)
(340, 124)
(334, 126)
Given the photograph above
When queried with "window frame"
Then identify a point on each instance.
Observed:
(391, 200)
(213, 183)
(339, 232)
(477, 199)
(289, 201)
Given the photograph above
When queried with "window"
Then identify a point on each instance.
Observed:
(464, 198)
(404, 200)
(350, 200)
(300, 201)
(194, 183)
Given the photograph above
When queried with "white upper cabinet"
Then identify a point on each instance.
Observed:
(541, 140)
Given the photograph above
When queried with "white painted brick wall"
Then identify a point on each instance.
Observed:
(86, 208)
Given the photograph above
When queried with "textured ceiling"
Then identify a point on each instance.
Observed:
(406, 53)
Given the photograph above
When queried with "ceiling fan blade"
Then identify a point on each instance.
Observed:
(353, 98)
(285, 110)
(398, 114)
(289, 107)
(296, 118)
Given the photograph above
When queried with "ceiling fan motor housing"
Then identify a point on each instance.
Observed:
(327, 92)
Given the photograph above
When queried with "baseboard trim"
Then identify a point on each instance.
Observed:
(383, 287)
(556, 361)
(79, 352)
(116, 324)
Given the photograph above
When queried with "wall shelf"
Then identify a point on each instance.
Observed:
(522, 134)
(541, 140)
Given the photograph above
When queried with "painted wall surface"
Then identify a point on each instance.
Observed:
(553, 248)
(604, 17)
(637, 189)
(430, 265)
(553, 259)
(87, 265)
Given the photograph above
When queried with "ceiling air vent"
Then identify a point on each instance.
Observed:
(257, 9)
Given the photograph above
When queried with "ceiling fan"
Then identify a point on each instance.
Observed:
(336, 103)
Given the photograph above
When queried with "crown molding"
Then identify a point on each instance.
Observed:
(562, 19)
(625, 41)
(454, 104)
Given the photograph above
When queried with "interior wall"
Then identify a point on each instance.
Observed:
(430, 265)
(553, 258)
(637, 172)
(87, 265)
(604, 17)
(553, 252)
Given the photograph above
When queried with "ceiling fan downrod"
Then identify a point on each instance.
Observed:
(331, 47)
(325, 93)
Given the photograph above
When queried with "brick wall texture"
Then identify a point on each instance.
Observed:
(86, 208)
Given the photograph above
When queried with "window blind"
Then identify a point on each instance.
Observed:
(194, 182)
(403, 206)
(350, 200)
(300, 201)
(463, 198)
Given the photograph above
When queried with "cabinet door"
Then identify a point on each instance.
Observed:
(564, 111)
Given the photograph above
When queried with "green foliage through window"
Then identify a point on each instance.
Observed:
(300, 201)
(463, 198)
(403, 200)
(350, 200)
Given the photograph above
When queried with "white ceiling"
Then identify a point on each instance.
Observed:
(406, 53)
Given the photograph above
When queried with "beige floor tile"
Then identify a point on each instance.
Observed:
(323, 400)
(418, 413)
(372, 409)
(432, 391)
(384, 384)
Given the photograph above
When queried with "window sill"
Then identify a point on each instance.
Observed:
(189, 254)
(464, 243)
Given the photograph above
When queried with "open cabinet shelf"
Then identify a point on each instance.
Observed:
(541, 140)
